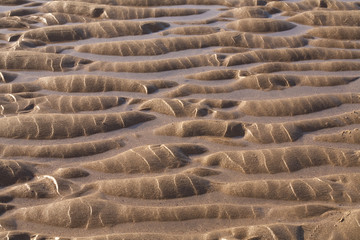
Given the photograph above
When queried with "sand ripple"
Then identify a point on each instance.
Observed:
(179, 119)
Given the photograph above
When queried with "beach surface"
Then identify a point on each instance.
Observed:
(179, 119)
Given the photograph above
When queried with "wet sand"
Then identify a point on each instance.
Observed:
(179, 119)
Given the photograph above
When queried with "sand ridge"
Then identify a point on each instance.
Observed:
(179, 119)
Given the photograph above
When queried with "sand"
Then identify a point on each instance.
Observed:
(179, 119)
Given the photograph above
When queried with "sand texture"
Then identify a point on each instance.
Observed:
(179, 119)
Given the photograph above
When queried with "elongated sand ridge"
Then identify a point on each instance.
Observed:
(179, 119)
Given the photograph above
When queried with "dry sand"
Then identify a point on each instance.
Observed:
(179, 119)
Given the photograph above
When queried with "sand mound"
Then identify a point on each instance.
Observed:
(61, 104)
(291, 131)
(158, 65)
(260, 25)
(331, 43)
(202, 128)
(256, 132)
(114, 12)
(162, 187)
(175, 107)
(14, 171)
(105, 29)
(43, 187)
(335, 32)
(327, 18)
(13, 2)
(261, 82)
(18, 88)
(333, 66)
(71, 173)
(155, 46)
(147, 159)
(289, 55)
(347, 136)
(14, 22)
(166, 45)
(96, 83)
(282, 81)
(270, 107)
(149, 3)
(100, 213)
(70, 150)
(275, 160)
(248, 12)
(57, 126)
(215, 75)
(333, 188)
(57, 18)
(26, 60)
(307, 5)
(295, 106)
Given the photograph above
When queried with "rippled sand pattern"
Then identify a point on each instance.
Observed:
(179, 119)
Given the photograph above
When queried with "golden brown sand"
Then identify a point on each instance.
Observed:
(179, 119)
